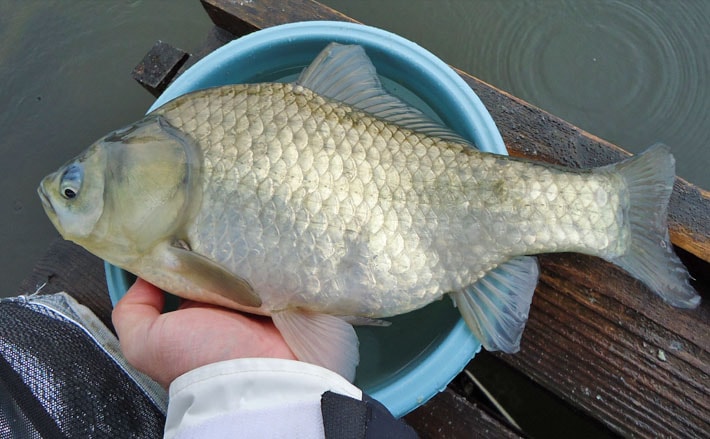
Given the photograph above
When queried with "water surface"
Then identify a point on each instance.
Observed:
(64, 82)
(634, 72)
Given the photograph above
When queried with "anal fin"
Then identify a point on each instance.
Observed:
(320, 339)
(496, 307)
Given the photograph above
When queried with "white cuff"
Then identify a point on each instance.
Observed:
(252, 397)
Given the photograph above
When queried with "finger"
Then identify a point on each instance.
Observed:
(137, 310)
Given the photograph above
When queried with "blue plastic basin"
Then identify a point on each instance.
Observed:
(407, 363)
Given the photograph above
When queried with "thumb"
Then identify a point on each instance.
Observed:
(134, 315)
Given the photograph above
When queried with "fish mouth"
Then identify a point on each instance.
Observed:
(46, 201)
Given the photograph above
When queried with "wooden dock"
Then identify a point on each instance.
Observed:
(596, 338)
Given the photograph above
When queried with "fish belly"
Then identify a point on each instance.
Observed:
(325, 208)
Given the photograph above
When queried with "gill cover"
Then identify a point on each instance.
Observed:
(150, 183)
(128, 191)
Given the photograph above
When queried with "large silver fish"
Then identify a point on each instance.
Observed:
(328, 202)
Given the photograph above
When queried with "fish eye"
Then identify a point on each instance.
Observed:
(69, 193)
(71, 181)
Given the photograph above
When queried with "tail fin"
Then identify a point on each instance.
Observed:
(649, 179)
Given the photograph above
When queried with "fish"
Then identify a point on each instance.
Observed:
(328, 202)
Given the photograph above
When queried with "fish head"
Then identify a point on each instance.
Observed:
(127, 192)
(72, 196)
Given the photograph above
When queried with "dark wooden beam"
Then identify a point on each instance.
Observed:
(448, 415)
(241, 18)
(159, 67)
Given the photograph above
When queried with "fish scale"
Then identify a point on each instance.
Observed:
(345, 194)
(329, 202)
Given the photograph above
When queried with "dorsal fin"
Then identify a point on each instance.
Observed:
(345, 73)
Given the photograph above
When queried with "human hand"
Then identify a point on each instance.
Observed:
(165, 346)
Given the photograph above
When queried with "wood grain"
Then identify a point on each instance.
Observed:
(616, 351)
(241, 18)
(448, 415)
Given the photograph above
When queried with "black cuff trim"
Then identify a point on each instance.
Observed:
(348, 418)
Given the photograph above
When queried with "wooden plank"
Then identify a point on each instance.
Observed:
(241, 18)
(596, 337)
(448, 415)
(69, 268)
(158, 67)
(618, 353)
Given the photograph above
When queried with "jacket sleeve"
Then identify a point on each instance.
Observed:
(264, 397)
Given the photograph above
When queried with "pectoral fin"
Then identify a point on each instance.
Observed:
(496, 307)
(202, 274)
(320, 339)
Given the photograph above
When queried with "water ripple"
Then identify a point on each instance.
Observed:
(633, 72)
